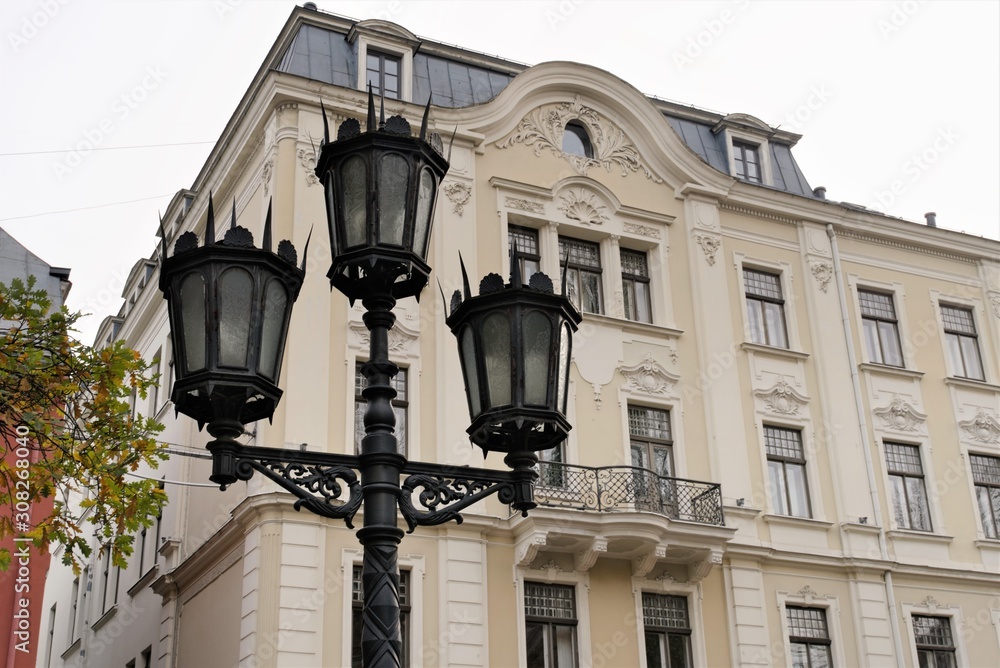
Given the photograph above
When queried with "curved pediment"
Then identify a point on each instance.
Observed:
(387, 28)
(746, 121)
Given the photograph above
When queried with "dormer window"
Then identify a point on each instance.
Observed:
(576, 141)
(746, 162)
(383, 74)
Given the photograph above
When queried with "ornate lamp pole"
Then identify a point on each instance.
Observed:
(230, 305)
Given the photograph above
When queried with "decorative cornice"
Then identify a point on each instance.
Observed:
(699, 569)
(649, 377)
(644, 563)
(459, 194)
(653, 233)
(527, 548)
(782, 399)
(400, 339)
(736, 208)
(900, 415)
(822, 272)
(307, 158)
(709, 244)
(983, 428)
(524, 205)
(543, 129)
(902, 245)
(584, 560)
(583, 207)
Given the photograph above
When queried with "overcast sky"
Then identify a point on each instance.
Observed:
(898, 95)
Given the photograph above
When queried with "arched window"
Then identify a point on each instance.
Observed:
(576, 141)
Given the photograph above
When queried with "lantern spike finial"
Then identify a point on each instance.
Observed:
(266, 242)
(371, 109)
(565, 276)
(444, 300)
(423, 121)
(326, 124)
(452, 142)
(381, 111)
(232, 220)
(465, 278)
(210, 225)
(305, 250)
(163, 238)
(515, 268)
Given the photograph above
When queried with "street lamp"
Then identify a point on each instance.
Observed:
(230, 304)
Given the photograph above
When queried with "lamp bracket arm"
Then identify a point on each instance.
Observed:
(444, 491)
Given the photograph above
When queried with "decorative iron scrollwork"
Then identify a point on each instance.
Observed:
(444, 497)
(319, 488)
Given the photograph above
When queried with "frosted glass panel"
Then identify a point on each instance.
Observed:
(564, 342)
(235, 296)
(275, 300)
(193, 312)
(355, 178)
(471, 372)
(496, 345)
(537, 344)
(422, 220)
(392, 183)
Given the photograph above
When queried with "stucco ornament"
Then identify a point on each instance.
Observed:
(641, 230)
(900, 415)
(307, 158)
(525, 205)
(584, 207)
(459, 195)
(649, 377)
(995, 302)
(782, 398)
(822, 272)
(708, 245)
(266, 175)
(983, 428)
(543, 129)
(808, 593)
(401, 340)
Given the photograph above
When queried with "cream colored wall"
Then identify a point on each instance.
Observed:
(210, 623)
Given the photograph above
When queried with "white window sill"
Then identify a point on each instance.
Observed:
(890, 370)
(924, 536)
(971, 384)
(795, 521)
(776, 352)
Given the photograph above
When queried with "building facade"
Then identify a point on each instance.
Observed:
(786, 409)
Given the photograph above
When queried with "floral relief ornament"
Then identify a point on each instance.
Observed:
(983, 428)
(648, 376)
(782, 398)
(307, 158)
(583, 207)
(995, 301)
(900, 415)
(823, 272)
(708, 245)
(459, 195)
(543, 128)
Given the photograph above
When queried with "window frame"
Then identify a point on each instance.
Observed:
(879, 356)
(383, 57)
(992, 502)
(687, 632)
(764, 332)
(922, 647)
(632, 298)
(905, 476)
(784, 461)
(360, 382)
(960, 336)
(582, 134)
(576, 269)
(524, 258)
(741, 148)
(826, 642)
(551, 623)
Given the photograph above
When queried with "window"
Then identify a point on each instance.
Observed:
(808, 637)
(635, 286)
(154, 394)
(878, 317)
(986, 476)
(765, 308)
(550, 625)
(130, 663)
(383, 74)
(105, 576)
(523, 241)
(399, 405)
(961, 339)
(83, 603)
(582, 260)
(651, 445)
(170, 367)
(357, 608)
(576, 141)
(142, 551)
(746, 160)
(51, 636)
(786, 470)
(935, 646)
(551, 472)
(74, 600)
(146, 656)
(667, 631)
(906, 485)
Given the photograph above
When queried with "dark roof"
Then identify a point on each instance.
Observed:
(325, 55)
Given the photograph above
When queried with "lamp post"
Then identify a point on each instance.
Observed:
(230, 305)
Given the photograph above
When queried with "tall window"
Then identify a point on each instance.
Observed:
(963, 345)
(83, 615)
(746, 159)
(576, 141)
(51, 636)
(808, 637)
(524, 241)
(635, 286)
(765, 308)
(667, 631)
(906, 485)
(383, 74)
(550, 625)
(551, 471)
(878, 317)
(357, 607)
(146, 657)
(986, 476)
(105, 576)
(73, 603)
(154, 393)
(935, 646)
(583, 274)
(399, 405)
(786, 469)
(651, 446)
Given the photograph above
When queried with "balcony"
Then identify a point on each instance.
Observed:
(664, 527)
(628, 488)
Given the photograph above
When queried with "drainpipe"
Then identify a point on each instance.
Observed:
(866, 445)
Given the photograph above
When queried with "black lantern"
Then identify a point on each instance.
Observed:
(514, 343)
(380, 189)
(229, 306)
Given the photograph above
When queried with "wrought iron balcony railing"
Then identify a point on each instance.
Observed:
(628, 488)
